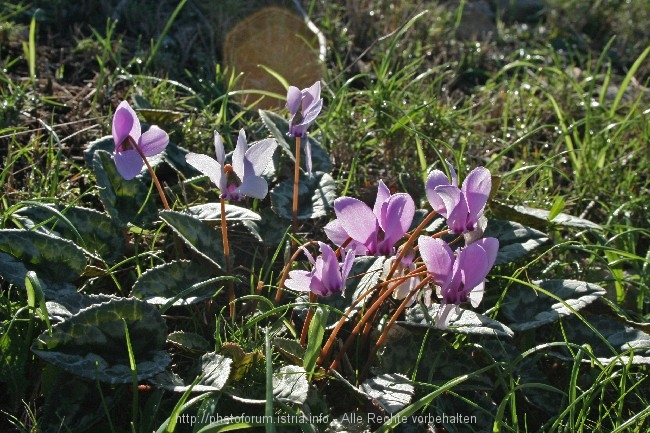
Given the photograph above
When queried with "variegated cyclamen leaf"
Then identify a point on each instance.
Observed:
(212, 212)
(214, 369)
(100, 235)
(393, 391)
(127, 201)
(203, 239)
(92, 344)
(290, 384)
(54, 259)
(515, 240)
(529, 308)
(163, 283)
(316, 195)
(467, 322)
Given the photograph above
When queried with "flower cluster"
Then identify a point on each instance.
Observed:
(458, 276)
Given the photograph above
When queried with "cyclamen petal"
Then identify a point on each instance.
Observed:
(130, 143)
(243, 177)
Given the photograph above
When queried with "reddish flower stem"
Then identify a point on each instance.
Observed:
(161, 193)
(226, 253)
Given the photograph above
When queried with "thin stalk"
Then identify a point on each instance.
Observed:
(409, 243)
(391, 322)
(287, 268)
(226, 253)
(153, 176)
(313, 298)
(296, 186)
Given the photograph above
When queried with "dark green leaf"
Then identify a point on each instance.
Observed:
(291, 349)
(100, 236)
(539, 218)
(393, 391)
(189, 341)
(620, 337)
(55, 260)
(515, 240)
(529, 308)
(127, 201)
(203, 239)
(92, 344)
(290, 384)
(467, 322)
(316, 195)
(163, 283)
(214, 369)
(105, 143)
(212, 212)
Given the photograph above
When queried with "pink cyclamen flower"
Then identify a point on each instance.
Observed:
(373, 231)
(242, 177)
(304, 106)
(327, 277)
(128, 138)
(461, 278)
(462, 207)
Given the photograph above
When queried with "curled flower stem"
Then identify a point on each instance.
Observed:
(296, 187)
(391, 322)
(153, 175)
(226, 253)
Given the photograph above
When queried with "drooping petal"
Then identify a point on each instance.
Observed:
(457, 217)
(125, 124)
(396, 218)
(239, 153)
(252, 185)
(473, 264)
(153, 141)
(336, 233)
(347, 262)
(476, 295)
(436, 179)
(311, 98)
(491, 247)
(476, 188)
(299, 281)
(331, 275)
(128, 163)
(445, 314)
(383, 194)
(308, 162)
(294, 97)
(357, 220)
(219, 150)
(438, 258)
(309, 115)
(452, 173)
(260, 155)
(208, 166)
(449, 196)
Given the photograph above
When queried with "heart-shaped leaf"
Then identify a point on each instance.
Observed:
(515, 240)
(528, 308)
(316, 195)
(92, 344)
(290, 384)
(188, 341)
(127, 201)
(212, 212)
(96, 232)
(174, 281)
(393, 391)
(214, 372)
(467, 322)
(203, 239)
(55, 260)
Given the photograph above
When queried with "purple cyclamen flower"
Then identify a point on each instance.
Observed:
(304, 106)
(127, 136)
(373, 231)
(328, 275)
(461, 278)
(243, 177)
(462, 207)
